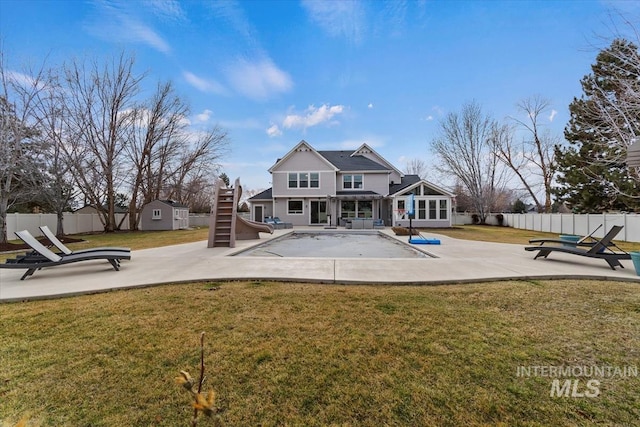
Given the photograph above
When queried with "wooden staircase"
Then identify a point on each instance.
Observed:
(223, 216)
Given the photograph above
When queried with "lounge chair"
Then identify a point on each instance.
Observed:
(587, 240)
(272, 222)
(599, 249)
(277, 221)
(66, 251)
(44, 257)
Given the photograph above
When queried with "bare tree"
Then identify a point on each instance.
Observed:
(466, 145)
(169, 159)
(416, 167)
(19, 149)
(101, 105)
(155, 141)
(58, 189)
(198, 161)
(533, 159)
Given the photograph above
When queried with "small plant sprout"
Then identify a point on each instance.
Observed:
(201, 403)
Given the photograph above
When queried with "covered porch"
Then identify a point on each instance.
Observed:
(358, 209)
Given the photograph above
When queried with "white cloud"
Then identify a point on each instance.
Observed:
(204, 116)
(167, 9)
(338, 18)
(429, 118)
(552, 115)
(274, 131)
(370, 106)
(118, 23)
(203, 85)
(258, 80)
(312, 117)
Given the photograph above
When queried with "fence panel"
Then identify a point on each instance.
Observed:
(73, 223)
(580, 224)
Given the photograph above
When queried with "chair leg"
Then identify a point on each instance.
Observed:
(114, 263)
(28, 273)
(613, 263)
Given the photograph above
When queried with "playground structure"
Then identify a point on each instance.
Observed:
(225, 225)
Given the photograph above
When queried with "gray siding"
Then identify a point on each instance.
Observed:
(167, 220)
(377, 182)
(302, 161)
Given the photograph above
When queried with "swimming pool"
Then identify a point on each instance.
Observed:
(335, 244)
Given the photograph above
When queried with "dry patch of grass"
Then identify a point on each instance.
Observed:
(300, 354)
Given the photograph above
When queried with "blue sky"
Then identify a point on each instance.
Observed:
(336, 74)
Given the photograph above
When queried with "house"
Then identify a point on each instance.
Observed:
(312, 187)
(164, 215)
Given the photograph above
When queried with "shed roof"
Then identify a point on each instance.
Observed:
(174, 204)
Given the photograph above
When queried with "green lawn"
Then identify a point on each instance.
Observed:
(303, 354)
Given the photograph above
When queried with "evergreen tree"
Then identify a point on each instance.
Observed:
(592, 174)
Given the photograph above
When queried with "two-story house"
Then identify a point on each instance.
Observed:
(313, 187)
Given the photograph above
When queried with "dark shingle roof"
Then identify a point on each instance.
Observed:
(344, 161)
(174, 204)
(265, 195)
(407, 181)
(357, 193)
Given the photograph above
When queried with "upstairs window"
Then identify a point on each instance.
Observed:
(293, 180)
(350, 182)
(303, 180)
(314, 180)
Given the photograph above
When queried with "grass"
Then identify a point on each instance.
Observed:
(516, 236)
(297, 354)
(300, 354)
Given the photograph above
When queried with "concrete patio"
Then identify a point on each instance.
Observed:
(457, 261)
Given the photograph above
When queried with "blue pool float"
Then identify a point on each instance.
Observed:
(424, 241)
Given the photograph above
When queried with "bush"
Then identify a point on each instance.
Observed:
(475, 219)
(500, 219)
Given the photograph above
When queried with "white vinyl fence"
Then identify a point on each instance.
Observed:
(578, 224)
(73, 223)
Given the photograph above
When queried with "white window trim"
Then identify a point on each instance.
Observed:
(417, 200)
(289, 212)
(353, 175)
(156, 214)
(298, 187)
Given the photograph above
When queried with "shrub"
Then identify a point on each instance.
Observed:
(500, 219)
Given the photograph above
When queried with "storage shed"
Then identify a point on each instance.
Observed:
(164, 215)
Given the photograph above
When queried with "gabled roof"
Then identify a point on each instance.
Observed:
(364, 148)
(302, 145)
(411, 181)
(405, 182)
(264, 195)
(347, 161)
